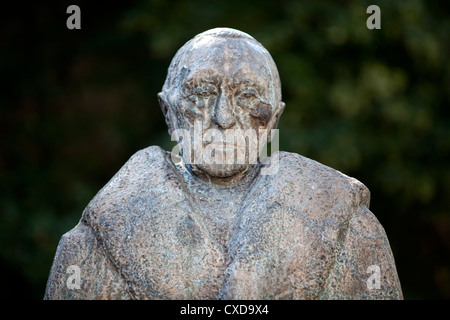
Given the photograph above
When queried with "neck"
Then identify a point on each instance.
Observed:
(243, 177)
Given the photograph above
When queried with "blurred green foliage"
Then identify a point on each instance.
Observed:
(374, 104)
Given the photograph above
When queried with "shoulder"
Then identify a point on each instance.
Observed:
(146, 185)
(81, 269)
(304, 176)
(143, 171)
(77, 242)
(150, 158)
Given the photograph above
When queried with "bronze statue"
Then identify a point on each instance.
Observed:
(215, 223)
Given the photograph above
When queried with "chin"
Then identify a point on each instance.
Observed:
(222, 170)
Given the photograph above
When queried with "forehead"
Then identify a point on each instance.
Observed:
(238, 59)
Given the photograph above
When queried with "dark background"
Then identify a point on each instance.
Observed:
(76, 104)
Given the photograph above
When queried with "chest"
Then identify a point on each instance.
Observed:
(258, 250)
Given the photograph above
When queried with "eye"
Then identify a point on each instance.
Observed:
(205, 92)
(249, 94)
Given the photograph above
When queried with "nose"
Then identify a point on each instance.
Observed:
(224, 114)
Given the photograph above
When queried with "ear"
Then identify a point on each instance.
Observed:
(273, 123)
(166, 111)
(277, 115)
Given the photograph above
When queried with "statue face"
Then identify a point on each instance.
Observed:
(226, 91)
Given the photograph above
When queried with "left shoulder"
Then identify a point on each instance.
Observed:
(303, 175)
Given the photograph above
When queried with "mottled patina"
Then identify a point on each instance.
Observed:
(165, 228)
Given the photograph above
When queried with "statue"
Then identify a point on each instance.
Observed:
(219, 221)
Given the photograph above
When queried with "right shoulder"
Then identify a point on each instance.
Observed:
(146, 168)
(145, 159)
(81, 270)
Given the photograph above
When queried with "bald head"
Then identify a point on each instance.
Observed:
(221, 47)
(228, 81)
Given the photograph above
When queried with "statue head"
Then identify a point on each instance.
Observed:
(220, 82)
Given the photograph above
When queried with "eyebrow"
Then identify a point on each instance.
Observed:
(251, 79)
(257, 84)
(203, 76)
(254, 83)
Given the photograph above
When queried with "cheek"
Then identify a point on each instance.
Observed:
(261, 115)
(187, 113)
(190, 111)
